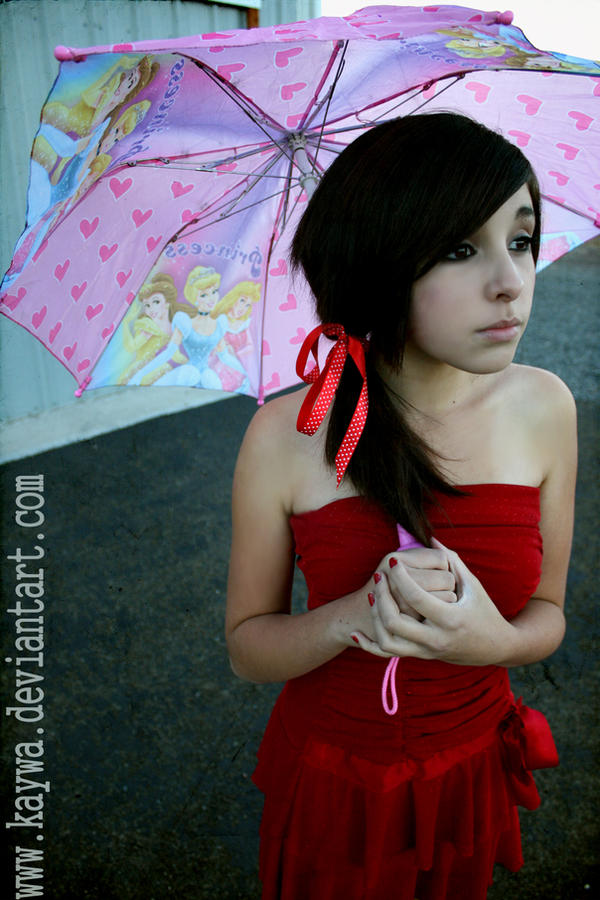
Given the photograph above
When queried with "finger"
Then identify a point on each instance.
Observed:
(445, 596)
(390, 618)
(422, 557)
(432, 580)
(422, 601)
(465, 580)
(368, 645)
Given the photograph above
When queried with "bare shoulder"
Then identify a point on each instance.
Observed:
(271, 448)
(545, 411)
(541, 395)
(273, 427)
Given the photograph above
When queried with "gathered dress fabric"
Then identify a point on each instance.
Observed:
(362, 805)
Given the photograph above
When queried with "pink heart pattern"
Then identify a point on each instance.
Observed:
(521, 137)
(13, 300)
(290, 303)
(274, 383)
(140, 217)
(61, 270)
(178, 189)
(227, 71)
(106, 252)
(582, 121)
(153, 242)
(118, 188)
(282, 57)
(54, 331)
(280, 269)
(88, 228)
(288, 90)
(480, 91)
(38, 317)
(122, 277)
(299, 336)
(569, 152)
(77, 290)
(93, 311)
(559, 177)
(532, 104)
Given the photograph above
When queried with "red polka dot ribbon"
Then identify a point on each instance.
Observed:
(324, 385)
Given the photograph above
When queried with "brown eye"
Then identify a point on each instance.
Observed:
(462, 251)
(521, 244)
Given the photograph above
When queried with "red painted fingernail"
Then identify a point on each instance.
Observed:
(354, 638)
(371, 599)
(393, 562)
(377, 577)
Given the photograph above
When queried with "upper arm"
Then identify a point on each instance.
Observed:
(262, 550)
(556, 440)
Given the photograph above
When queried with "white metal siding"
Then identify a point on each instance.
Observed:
(31, 380)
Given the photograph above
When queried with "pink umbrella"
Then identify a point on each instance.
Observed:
(167, 178)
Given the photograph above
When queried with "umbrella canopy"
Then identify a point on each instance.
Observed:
(167, 178)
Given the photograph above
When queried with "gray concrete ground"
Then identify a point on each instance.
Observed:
(149, 739)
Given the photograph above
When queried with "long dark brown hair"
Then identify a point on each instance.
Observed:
(392, 205)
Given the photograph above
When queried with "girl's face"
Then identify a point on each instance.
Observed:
(155, 306)
(112, 137)
(470, 310)
(129, 80)
(240, 306)
(207, 298)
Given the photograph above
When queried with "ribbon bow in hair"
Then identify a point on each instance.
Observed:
(324, 386)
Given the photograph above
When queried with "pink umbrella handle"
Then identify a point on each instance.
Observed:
(389, 682)
(405, 542)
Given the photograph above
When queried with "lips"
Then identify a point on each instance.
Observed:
(502, 324)
(502, 330)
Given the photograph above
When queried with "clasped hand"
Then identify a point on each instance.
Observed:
(427, 604)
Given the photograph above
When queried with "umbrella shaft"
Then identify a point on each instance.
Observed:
(308, 179)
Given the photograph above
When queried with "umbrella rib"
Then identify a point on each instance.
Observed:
(578, 212)
(231, 205)
(363, 125)
(257, 177)
(329, 98)
(245, 109)
(283, 217)
(235, 211)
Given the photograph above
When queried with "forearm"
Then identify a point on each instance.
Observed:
(279, 646)
(534, 634)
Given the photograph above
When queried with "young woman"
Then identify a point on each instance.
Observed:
(396, 754)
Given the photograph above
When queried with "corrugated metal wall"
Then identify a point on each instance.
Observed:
(31, 380)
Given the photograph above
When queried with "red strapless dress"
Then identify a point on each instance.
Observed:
(360, 805)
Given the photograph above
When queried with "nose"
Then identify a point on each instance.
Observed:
(505, 280)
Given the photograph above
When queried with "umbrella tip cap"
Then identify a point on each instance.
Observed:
(63, 53)
(505, 18)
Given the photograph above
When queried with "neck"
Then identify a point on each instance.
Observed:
(431, 388)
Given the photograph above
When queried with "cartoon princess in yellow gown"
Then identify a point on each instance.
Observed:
(147, 327)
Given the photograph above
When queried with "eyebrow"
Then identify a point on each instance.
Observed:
(525, 212)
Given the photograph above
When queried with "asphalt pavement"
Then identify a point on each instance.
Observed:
(149, 740)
